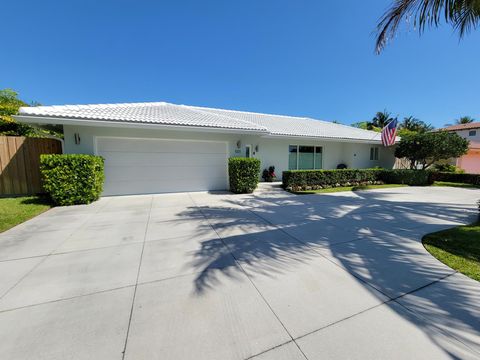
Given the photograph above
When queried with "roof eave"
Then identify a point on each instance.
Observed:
(33, 119)
(323, 138)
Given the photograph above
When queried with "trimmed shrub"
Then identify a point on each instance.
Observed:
(244, 174)
(407, 177)
(73, 178)
(473, 179)
(317, 179)
(298, 180)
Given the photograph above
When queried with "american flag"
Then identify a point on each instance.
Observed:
(389, 133)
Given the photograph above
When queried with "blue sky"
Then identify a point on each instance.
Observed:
(306, 58)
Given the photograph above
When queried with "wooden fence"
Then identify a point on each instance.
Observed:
(20, 163)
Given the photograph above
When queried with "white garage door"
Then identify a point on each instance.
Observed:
(147, 166)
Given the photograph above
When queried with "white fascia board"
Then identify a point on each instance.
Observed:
(322, 138)
(124, 124)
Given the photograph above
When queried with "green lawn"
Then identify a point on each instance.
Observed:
(349, 188)
(458, 248)
(14, 211)
(461, 185)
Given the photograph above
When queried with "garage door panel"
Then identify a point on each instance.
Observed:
(141, 166)
(172, 174)
(152, 186)
(124, 159)
(159, 146)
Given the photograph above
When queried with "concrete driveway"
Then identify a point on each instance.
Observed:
(221, 276)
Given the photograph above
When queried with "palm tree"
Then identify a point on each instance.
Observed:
(381, 119)
(464, 120)
(413, 124)
(463, 15)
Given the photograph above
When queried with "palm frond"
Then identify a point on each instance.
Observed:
(463, 15)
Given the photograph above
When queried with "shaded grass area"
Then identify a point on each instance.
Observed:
(458, 248)
(15, 210)
(460, 185)
(348, 188)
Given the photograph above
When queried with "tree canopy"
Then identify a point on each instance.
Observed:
(377, 123)
(424, 149)
(409, 125)
(464, 120)
(462, 15)
(9, 105)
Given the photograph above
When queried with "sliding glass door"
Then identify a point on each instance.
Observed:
(304, 157)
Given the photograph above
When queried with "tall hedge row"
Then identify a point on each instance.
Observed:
(72, 179)
(329, 177)
(407, 177)
(244, 174)
(307, 179)
(473, 179)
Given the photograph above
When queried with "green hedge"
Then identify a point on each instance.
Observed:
(244, 174)
(407, 177)
(72, 179)
(473, 179)
(297, 180)
(340, 177)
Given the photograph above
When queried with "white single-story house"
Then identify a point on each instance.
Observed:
(162, 147)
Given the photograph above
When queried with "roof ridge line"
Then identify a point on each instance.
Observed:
(195, 108)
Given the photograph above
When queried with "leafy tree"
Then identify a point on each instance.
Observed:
(378, 122)
(382, 118)
(411, 124)
(9, 105)
(462, 15)
(426, 148)
(464, 120)
(365, 125)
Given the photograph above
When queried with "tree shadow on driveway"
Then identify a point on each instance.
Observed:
(374, 239)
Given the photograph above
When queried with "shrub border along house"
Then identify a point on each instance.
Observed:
(72, 179)
(243, 174)
(303, 180)
(473, 179)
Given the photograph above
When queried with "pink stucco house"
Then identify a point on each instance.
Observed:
(471, 161)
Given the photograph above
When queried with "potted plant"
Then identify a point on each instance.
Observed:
(269, 175)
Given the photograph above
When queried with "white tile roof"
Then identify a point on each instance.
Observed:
(181, 115)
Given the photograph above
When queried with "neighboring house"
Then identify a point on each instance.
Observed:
(162, 147)
(469, 162)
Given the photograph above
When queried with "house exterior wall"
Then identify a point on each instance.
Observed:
(465, 134)
(470, 162)
(271, 151)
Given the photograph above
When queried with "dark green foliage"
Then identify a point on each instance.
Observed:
(298, 180)
(72, 179)
(244, 174)
(425, 149)
(442, 167)
(407, 177)
(473, 179)
(9, 106)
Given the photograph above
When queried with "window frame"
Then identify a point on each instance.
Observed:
(248, 148)
(298, 156)
(472, 133)
(374, 153)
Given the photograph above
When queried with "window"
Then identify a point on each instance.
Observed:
(304, 157)
(248, 151)
(292, 157)
(374, 153)
(472, 133)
